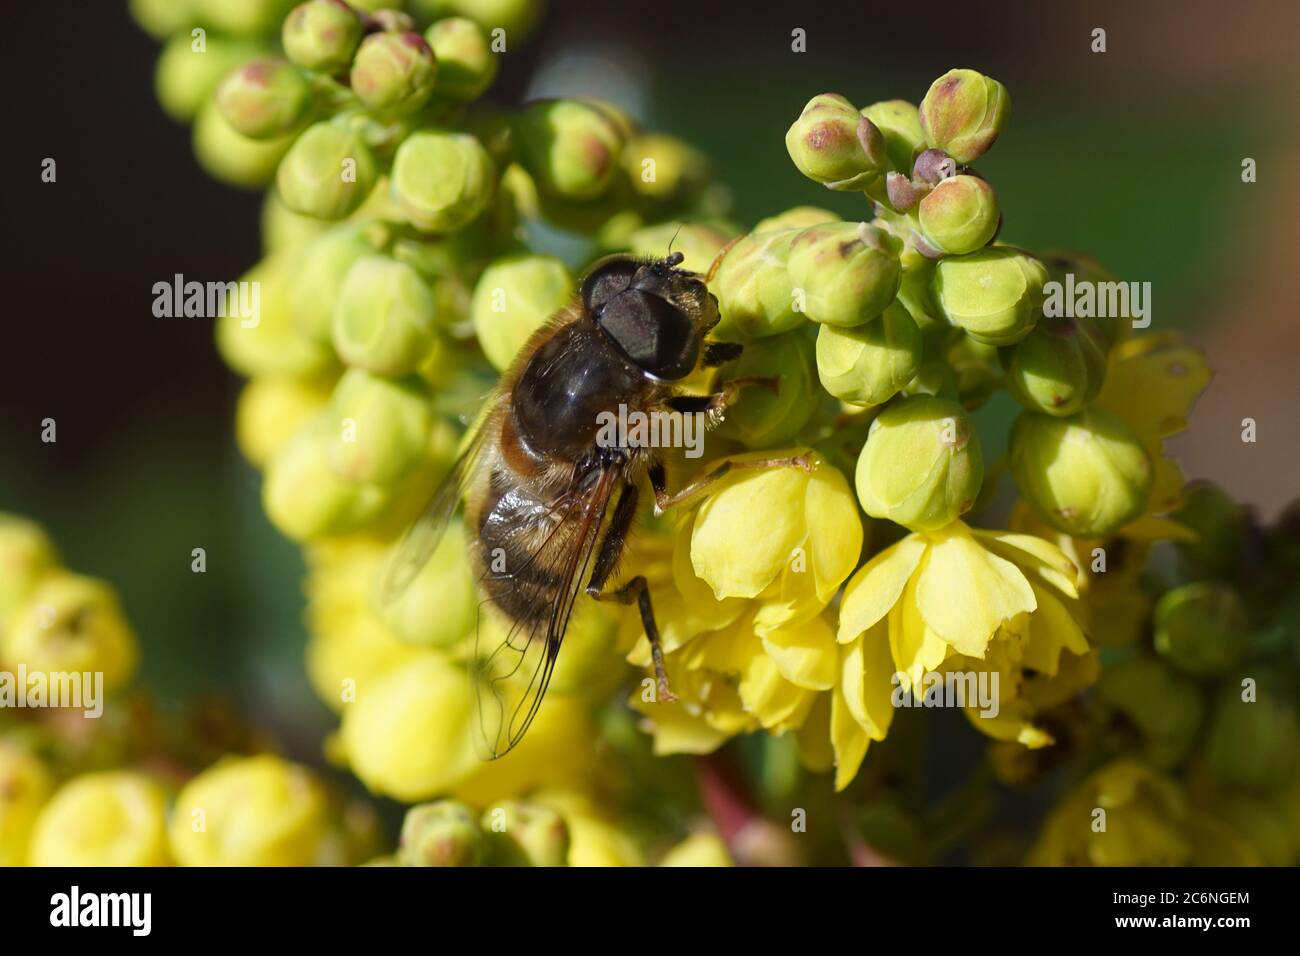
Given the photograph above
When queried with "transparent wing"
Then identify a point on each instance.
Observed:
(421, 539)
(511, 663)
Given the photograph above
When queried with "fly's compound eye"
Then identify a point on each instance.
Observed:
(607, 280)
(659, 337)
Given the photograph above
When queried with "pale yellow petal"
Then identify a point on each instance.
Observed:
(877, 586)
(965, 593)
(806, 654)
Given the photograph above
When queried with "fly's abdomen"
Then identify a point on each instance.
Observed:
(521, 542)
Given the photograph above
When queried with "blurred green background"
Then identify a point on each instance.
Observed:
(1133, 155)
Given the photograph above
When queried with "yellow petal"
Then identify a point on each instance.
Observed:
(876, 588)
(915, 648)
(1052, 629)
(848, 739)
(769, 696)
(866, 681)
(831, 512)
(966, 593)
(1034, 555)
(743, 535)
(806, 654)
(814, 736)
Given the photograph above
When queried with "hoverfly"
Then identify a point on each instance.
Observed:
(540, 491)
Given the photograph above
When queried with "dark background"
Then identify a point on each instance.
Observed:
(1133, 155)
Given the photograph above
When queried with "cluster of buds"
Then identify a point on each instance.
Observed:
(91, 780)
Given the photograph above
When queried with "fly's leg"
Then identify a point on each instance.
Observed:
(664, 500)
(635, 590)
(714, 406)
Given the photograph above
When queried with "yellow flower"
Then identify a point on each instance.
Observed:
(116, 818)
(411, 736)
(739, 602)
(954, 600)
(250, 811)
(784, 537)
(71, 624)
(1128, 815)
(24, 787)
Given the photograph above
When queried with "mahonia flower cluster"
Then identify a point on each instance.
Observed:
(119, 783)
(403, 272)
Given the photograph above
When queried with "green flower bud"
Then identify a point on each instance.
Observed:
(328, 173)
(322, 35)
(868, 364)
(760, 419)
(466, 64)
(319, 276)
(513, 299)
(1086, 475)
(441, 834)
(162, 18)
(1165, 707)
(304, 497)
(1059, 367)
(833, 144)
(283, 228)
(270, 343)
(994, 294)
(976, 370)
(264, 98)
(185, 77)
(394, 72)
(383, 320)
(899, 125)
(921, 466)
(664, 169)
(1254, 744)
(26, 555)
(959, 215)
(933, 377)
(800, 217)
(516, 17)
(1202, 628)
(232, 158)
(381, 427)
(963, 113)
(240, 16)
(525, 834)
(1113, 328)
(699, 242)
(569, 147)
(847, 272)
(442, 181)
(754, 290)
(270, 412)
(1220, 524)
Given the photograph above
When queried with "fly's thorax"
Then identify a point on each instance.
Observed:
(564, 390)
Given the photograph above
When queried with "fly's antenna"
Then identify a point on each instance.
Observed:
(674, 258)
